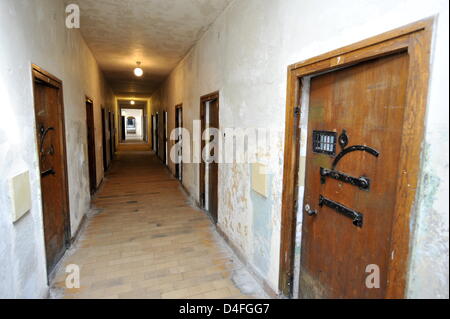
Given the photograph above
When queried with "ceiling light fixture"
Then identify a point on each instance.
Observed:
(132, 102)
(138, 71)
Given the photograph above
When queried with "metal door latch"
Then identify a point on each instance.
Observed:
(361, 182)
(309, 211)
(354, 215)
(48, 172)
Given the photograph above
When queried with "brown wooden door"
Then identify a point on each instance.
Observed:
(144, 127)
(179, 126)
(111, 135)
(210, 119)
(104, 141)
(123, 127)
(157, 134)
(367, 103)
(52, 163)
(214, 166)
(164, 137)
(153, 131)
(91, 146)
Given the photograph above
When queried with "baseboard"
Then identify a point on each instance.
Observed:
(80, 227)
(263, 282)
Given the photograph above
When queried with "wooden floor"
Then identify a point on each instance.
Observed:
(147, 241)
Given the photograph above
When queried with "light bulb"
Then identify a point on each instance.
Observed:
(138, 72)
(132, 102)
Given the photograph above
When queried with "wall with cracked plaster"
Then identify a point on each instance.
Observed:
(35, 32)
(245, 54)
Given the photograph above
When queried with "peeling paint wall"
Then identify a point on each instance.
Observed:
(34, 32)
(245, 54)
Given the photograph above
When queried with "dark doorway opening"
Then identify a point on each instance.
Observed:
(133, 131)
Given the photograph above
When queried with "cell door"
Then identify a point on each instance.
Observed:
(354, 137)
(111, 135)
(209, 171)
(92, 161)
(123, 128)
(157, 134)
(179, 126)
(52, 162)
(165, 140)
(104, 145)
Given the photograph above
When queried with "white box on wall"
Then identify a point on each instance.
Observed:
(20, 193)
(259, 179)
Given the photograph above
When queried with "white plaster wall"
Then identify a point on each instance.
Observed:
(245, 55)
(33, 31)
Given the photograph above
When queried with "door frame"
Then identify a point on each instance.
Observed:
(415, 39)
(38, 74)
(92, 179)
(179, 166)
(203, 100)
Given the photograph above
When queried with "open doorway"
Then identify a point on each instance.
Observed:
(209, 170)
(133, 122)
(49, 114)
(133, 125)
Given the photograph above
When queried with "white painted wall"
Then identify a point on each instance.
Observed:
(34, 32)
(245, 55)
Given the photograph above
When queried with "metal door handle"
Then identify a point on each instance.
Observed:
(44, 133)
(309, 211)
(48, 172)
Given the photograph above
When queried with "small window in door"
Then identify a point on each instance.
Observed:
(324, 142)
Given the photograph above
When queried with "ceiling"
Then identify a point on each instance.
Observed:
(156, 32)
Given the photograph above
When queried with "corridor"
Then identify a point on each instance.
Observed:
(144, 239)
(173, 149)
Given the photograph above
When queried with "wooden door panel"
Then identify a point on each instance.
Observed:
(92, 162)
(212, 188)
(214, 167)
(179, 126)
(50, 134)
(368, 101)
